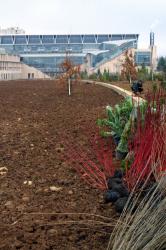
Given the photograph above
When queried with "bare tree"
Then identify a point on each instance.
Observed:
(70, 71)
(128, 67)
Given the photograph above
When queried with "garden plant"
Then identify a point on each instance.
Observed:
(141, 131)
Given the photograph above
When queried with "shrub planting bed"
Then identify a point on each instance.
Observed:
(41, 194)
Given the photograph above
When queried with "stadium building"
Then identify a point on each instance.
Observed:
(92, 52)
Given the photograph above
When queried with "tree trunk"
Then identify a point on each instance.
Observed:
(130, 79)
(69, 86)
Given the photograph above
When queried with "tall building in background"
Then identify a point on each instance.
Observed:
(91, 51)
(11, 31)
(47, 52)
(153, 49)
(148, 57)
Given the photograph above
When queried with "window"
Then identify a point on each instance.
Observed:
(117, 37)
(47, 39)
(143, 57)
(75, 39)
(61, 39)
(6, 40)
(20, 40)
(89, 39)
(102, 38)
(33, 39)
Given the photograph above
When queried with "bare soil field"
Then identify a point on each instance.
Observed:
(41, 196)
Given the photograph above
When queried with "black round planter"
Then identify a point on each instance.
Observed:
(120, 155)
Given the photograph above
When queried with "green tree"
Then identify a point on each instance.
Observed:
(162, 64)
(84, 75)
(98, 72)
(106, 75)
(143, 73)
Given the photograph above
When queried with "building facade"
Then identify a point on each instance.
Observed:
(47, 52)
(92, 52)
(11, 68)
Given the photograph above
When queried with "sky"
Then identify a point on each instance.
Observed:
(89, 17)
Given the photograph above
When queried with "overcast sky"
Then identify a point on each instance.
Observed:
(88, 16)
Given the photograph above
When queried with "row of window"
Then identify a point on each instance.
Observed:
(51, 39)
(49, 64)
(143, 57)
(75, 48)
(7, 76)
(9, 66)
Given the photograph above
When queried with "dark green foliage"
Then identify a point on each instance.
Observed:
(106, 76)
(162, 64)
(154, 86)
(126, 163)
(163, 84)
(119, 122)
(93, 76)
(84, 75)
(159, 76)
(143, 73)
(114, 77)
(117, 117)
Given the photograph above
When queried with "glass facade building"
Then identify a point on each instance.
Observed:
(47, 52)
(143, 58)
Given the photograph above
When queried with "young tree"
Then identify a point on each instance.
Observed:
(162, 64)
(84, 75)
(143, 73)
(69, 72)
(128, 67)
(106, 75)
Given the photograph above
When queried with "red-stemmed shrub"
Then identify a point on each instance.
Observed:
(149, 142)
(93, 165)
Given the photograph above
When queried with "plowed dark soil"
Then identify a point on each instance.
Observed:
(41, 195)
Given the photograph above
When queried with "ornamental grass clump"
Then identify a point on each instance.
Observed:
(144, 222)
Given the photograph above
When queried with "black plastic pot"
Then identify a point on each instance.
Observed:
(111, 196)
(116, 139)
(119, 173)
(120, 204)
(120, 155)
(113, 181)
